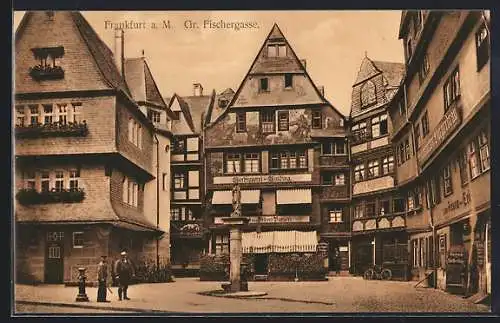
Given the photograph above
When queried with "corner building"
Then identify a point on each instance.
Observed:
(278, 137)
(84, 154)
(442, 136)
(378, 210)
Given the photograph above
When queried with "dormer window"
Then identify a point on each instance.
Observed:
(47, 69)
(223, 103)
(368, 95)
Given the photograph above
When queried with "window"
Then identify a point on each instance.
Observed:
(327, 178)
(264, 85)
(368, 96)
(76, 112)
(451, 89)
(179, 180)
(20, 117)
(251, 163)
(62, 113)
(139, 136)
(482, 46)
(417, 135)
(192, 144)
(272, 51)
(484, 151)
(45, 181)
(288, 160)
(78, 240)
(281, 50)
(233, 163)
(411, 201)
(333, 148)
(134, 133)
(373, 168)
(47, 114)
(359, 132)
(379, 126)
(327, 148)
(370, 209)
(29, 180)
(317, 120)
(407, 149)
(74, 176)
(388, 165)
(423, 68)
(288, 81)
(283, 122)
(336, 216)
(267, 121)
(384, 207)
(221, 244)
(414, 247)
(448, 186)
(339, 179)
(154, 116)
(179, 146)
(399, 205)
(359, 172)
(462, 163)
(130, 192)
(425, 125)
(33, 114)
(435, 192)
(175, 213)
(59, 183)
(241, 122)
(339, 148)
(473, 160)
(358, 212)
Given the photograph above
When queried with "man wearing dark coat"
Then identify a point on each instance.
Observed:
(124, 271)
(102, 277)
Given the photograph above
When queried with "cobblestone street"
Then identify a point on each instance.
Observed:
(339, 294)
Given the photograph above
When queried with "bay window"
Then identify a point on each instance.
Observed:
(388, 165)
(359, 172)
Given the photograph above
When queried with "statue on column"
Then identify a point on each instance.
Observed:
(236, 199)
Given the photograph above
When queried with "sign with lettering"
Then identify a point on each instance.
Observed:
(272, 219)
(263, 179)
(446, 126)
(457, 204)
(373, 185)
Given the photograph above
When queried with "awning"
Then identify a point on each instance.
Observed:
(226, 197)
(279, 241)
(294, 196)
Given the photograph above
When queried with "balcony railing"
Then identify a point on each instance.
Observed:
(41, 73)
(394, 220)
(329, 192)
(333, 161)
(70, 129)
(32, 197)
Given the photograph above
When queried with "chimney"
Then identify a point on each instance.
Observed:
(321, 90)
(197, 89)
(304, 63)
(119, 50)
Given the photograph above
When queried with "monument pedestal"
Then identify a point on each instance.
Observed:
(235, 252)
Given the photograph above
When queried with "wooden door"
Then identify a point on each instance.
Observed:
(54, 259)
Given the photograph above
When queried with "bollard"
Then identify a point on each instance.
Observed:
(82, 296)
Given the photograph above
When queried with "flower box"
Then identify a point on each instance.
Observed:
(32, 197)
(70, 129)
(41, 73)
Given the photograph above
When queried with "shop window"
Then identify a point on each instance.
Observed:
(267, 121)
(221, 244)
(78, 240)
(370, 209)
(241, 122)
(482, 46)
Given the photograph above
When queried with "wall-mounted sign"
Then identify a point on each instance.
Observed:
(272, 219)
(376, 184)
(263, 179)
(457, 204)
(446, 126)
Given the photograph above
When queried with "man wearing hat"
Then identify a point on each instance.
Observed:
(124, 271)
(102, 276)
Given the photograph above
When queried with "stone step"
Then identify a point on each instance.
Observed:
(342, 273)
(260, 277)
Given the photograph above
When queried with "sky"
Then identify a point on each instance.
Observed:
(333, 43)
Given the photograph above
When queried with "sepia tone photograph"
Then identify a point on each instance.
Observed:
(251, 162)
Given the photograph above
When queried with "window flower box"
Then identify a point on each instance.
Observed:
(41, 73)
(32, 197)
(70, 129)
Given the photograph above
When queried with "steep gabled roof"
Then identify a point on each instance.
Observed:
(101, 53)
(393, 72)
(198, 106)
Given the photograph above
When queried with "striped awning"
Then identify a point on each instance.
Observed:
(279, 241)
(294, 196)
(226, 197)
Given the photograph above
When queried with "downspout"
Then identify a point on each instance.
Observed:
(157, 199)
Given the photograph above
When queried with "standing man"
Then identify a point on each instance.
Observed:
(102, 277)
(124, 271)
(338, 260)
